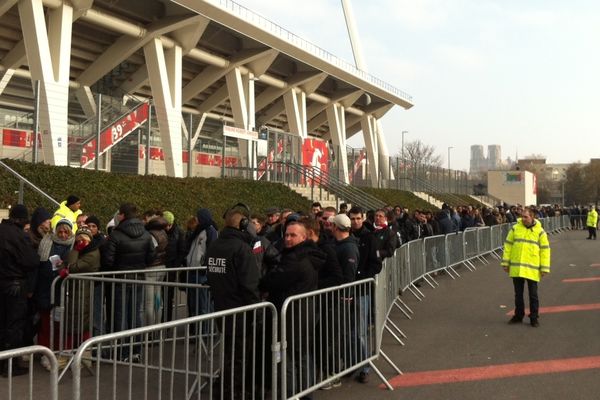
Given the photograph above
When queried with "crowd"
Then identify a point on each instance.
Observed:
(254, 257)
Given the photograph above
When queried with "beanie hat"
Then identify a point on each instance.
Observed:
(18, 211)
(168, 215)
(92, 219)
(39, 215)
(85, 231)
(72, 199)
(63, 221)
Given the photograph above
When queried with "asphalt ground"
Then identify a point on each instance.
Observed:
(459, 345)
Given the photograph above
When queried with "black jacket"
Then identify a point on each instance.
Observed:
(129, 246)
(298, 272)
(232, 270)
(348, 257)
(330, 273)
(386, 240)
(369, 263)
(18, 258)
(445, 222)
(176, 248)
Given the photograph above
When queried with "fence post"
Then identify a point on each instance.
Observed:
(98, 132)
(36, 122)
(149, 129)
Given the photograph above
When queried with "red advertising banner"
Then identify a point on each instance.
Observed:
(115, 133)
(213, 160)
(315, 154)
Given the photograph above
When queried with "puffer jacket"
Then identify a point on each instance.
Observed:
(129, 246)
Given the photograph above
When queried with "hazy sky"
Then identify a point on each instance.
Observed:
(522, 74)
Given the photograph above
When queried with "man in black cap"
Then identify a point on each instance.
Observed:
(17, 259)
(69, 209)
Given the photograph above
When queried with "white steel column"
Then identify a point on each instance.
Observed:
(367, 124)
(48, 54)
(164, 73)
(295, 109)
(241, 96)
(337, 128)
(384, 155)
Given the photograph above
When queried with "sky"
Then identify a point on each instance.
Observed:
(521, 74)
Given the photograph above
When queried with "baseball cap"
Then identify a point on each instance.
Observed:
(341, 221)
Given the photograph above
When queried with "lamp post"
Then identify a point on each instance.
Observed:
(402, 151)
(449, 172)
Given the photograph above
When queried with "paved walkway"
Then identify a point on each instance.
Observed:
(459, 345)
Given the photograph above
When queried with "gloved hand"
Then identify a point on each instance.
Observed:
(63, 273)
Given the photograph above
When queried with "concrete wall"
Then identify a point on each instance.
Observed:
(513, 187)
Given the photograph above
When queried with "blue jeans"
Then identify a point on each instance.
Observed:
(198, 299)
(364, 317)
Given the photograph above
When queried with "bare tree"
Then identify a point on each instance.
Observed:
(420, 153)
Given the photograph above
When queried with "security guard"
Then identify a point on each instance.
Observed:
(592, 222)
(526, 258)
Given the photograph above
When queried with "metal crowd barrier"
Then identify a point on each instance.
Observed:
(325, 334)
(93, 304)
(237, 357)
(10, 360)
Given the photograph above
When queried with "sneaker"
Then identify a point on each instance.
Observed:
(135, 359)
(515, 320)
(534, 323)
(333, 384)
(363, 377)
(45, 363)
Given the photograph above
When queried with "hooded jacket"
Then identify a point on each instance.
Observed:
(349, 257)
(527, 251)
(129, 246)
(65, 212)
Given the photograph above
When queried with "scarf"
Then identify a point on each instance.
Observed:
(47, 242)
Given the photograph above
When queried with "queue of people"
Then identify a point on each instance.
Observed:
(254, 257)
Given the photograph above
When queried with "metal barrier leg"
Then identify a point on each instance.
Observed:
(452, 274)
(386, 358)
(396, 327)
(469, 265)
(402, 310)
(380, 375)
(387, 328)
(411, 288)
(432, 282)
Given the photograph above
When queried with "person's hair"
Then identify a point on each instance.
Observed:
(356, 210)
(299, 223)
(311, 224)
(316, 204)
(530, 210)
(191, 223)
(260, 218)
(128, 210)
(330, 209)
(233, 218)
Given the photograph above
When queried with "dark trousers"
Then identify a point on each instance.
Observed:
(592, 232)
(13, 314)
(534, 304)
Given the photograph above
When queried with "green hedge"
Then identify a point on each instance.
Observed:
(102, 192)
(406, 199)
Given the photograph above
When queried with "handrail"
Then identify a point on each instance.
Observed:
(349, 193)
(24, 180)
(435, 190)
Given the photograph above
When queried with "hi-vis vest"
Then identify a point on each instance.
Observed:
(527, 251)
(592, 218)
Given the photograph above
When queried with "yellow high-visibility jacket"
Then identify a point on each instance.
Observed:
(592, 218)
(527, 251)
(65, 212)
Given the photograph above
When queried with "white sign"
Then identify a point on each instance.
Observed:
(239, 133)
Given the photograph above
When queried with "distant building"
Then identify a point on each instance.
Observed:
(480, 164)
